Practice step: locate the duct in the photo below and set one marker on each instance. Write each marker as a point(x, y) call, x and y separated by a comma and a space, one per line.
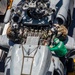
point(62, 14)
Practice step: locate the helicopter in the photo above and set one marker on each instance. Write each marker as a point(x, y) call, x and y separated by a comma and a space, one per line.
point(31, 23)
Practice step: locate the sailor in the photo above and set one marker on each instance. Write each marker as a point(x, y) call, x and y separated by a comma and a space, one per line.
point(59, 48)
point(63, 42)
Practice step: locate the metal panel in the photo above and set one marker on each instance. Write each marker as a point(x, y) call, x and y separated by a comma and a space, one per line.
point(3, 7)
